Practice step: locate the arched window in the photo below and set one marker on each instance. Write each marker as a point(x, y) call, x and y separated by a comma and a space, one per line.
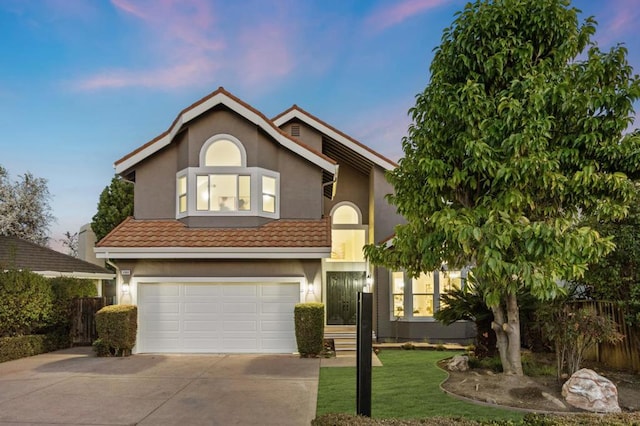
point(224, 185)
point(223, 151)
point(346, 214)
point(348, 235)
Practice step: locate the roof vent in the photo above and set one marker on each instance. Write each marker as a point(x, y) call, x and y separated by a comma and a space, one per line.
point(295, 130)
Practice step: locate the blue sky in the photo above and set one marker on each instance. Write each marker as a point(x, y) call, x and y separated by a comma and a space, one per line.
point(84, 82)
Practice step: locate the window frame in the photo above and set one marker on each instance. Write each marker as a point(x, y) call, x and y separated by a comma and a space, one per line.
point(408, 295)
point(255, 176)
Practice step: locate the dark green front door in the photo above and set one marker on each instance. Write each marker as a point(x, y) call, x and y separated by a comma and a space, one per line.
point(342, 296)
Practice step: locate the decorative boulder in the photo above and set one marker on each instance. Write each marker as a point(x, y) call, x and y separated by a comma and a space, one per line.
point(458, 363)
point(589, 391)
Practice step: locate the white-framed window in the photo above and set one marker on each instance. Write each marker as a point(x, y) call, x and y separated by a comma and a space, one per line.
point(419, 298)
point(182, 194)
point(348, 235)
point(224, 186)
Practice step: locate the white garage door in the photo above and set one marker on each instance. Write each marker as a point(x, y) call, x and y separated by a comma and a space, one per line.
point(217, 317)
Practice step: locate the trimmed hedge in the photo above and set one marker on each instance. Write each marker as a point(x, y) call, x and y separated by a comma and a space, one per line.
point(25, 302)
point(309, 322)
point(23, 346)
point(117, 326)
point(64, 290)
point(621, 419)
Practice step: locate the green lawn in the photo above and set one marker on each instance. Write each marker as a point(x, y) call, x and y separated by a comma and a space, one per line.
point(407, 386)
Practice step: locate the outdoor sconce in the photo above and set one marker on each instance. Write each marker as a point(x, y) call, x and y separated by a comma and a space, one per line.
point(126, 276)
point(369, 283)
point(310, 288)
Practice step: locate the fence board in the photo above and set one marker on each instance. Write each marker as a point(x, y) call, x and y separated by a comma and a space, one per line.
point(83, 328)
point(624, 355)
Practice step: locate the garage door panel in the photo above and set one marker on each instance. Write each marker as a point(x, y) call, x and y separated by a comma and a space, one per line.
point(217, 317)
point(240, 290)
point(162, 291)
point(207, 291)
point(207, 327)
point(240, 308)
point(278, 290)
point(202, 307)
point(240, 326)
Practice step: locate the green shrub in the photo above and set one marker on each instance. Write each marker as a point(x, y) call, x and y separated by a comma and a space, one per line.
point(64, 290)
point(529, 420)
point(25, 302)
point(621, 419)
point(23, 346)
point(309, 323)
point(116, 326)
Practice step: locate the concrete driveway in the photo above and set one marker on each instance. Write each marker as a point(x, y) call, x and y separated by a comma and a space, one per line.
point(74, 387)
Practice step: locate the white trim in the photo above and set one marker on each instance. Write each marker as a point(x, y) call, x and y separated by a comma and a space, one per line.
point(217, 99)
point(143, 279)
point(220, 137)
point(349, 204)
point(80, 275)
point(212, 252)
point(294, 113)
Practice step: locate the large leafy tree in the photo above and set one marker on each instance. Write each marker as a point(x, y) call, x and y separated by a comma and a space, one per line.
point(518, 135)
point(115, 205)
point(24, 207)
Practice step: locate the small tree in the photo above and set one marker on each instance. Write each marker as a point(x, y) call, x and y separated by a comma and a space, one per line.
point(114, 206)
point(24, 208)
point(70, 241)
point(518, 135)
point(575, 331)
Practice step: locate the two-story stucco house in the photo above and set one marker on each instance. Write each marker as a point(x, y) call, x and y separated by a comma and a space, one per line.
point(238, 217)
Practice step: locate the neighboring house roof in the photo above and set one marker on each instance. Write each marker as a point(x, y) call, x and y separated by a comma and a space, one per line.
point(222, 97)
point(172, 239)
point(295, 112)
point(21, 254)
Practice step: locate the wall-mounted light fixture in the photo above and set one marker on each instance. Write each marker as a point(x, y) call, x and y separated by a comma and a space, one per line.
point(126, 276)
point(368, 284)
point(310, 288)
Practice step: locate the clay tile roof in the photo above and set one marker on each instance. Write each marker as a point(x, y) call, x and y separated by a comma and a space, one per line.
point(173, 233)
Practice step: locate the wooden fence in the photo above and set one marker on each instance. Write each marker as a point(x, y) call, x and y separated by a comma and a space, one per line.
point(624, 355)
point(83, 325)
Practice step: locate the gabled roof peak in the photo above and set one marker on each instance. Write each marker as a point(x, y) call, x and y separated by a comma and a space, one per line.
point(296, 112)
point(222, 97)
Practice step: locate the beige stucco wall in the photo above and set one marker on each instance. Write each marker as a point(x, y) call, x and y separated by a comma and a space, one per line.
point(352, 186)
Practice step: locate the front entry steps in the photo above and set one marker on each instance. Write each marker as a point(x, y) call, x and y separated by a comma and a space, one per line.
point(344, 337)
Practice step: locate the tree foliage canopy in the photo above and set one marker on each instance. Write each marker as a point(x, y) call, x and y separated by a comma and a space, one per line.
point(115, 205)
point(518, 134)
point(24, 207)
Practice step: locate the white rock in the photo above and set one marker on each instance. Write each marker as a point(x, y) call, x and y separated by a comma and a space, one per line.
point(458, 363)
point(589, 391)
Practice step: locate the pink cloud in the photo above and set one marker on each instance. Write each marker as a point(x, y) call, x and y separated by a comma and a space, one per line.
point(205, 44)
point(265, 53)
point(198, 70)
point(397, 12)
point(617, 22)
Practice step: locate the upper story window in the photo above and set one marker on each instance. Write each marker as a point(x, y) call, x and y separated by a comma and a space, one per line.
point(223, 185)
point(348, 235)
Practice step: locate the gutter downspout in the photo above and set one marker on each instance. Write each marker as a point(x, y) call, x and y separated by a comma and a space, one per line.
point(333, 190)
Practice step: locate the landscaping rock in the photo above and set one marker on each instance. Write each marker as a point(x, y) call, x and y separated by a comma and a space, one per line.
point(589, 391)
point(458, 363)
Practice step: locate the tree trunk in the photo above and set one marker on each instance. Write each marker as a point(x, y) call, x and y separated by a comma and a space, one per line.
point(513, 314)
point(502, 342)
point(508, 335)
